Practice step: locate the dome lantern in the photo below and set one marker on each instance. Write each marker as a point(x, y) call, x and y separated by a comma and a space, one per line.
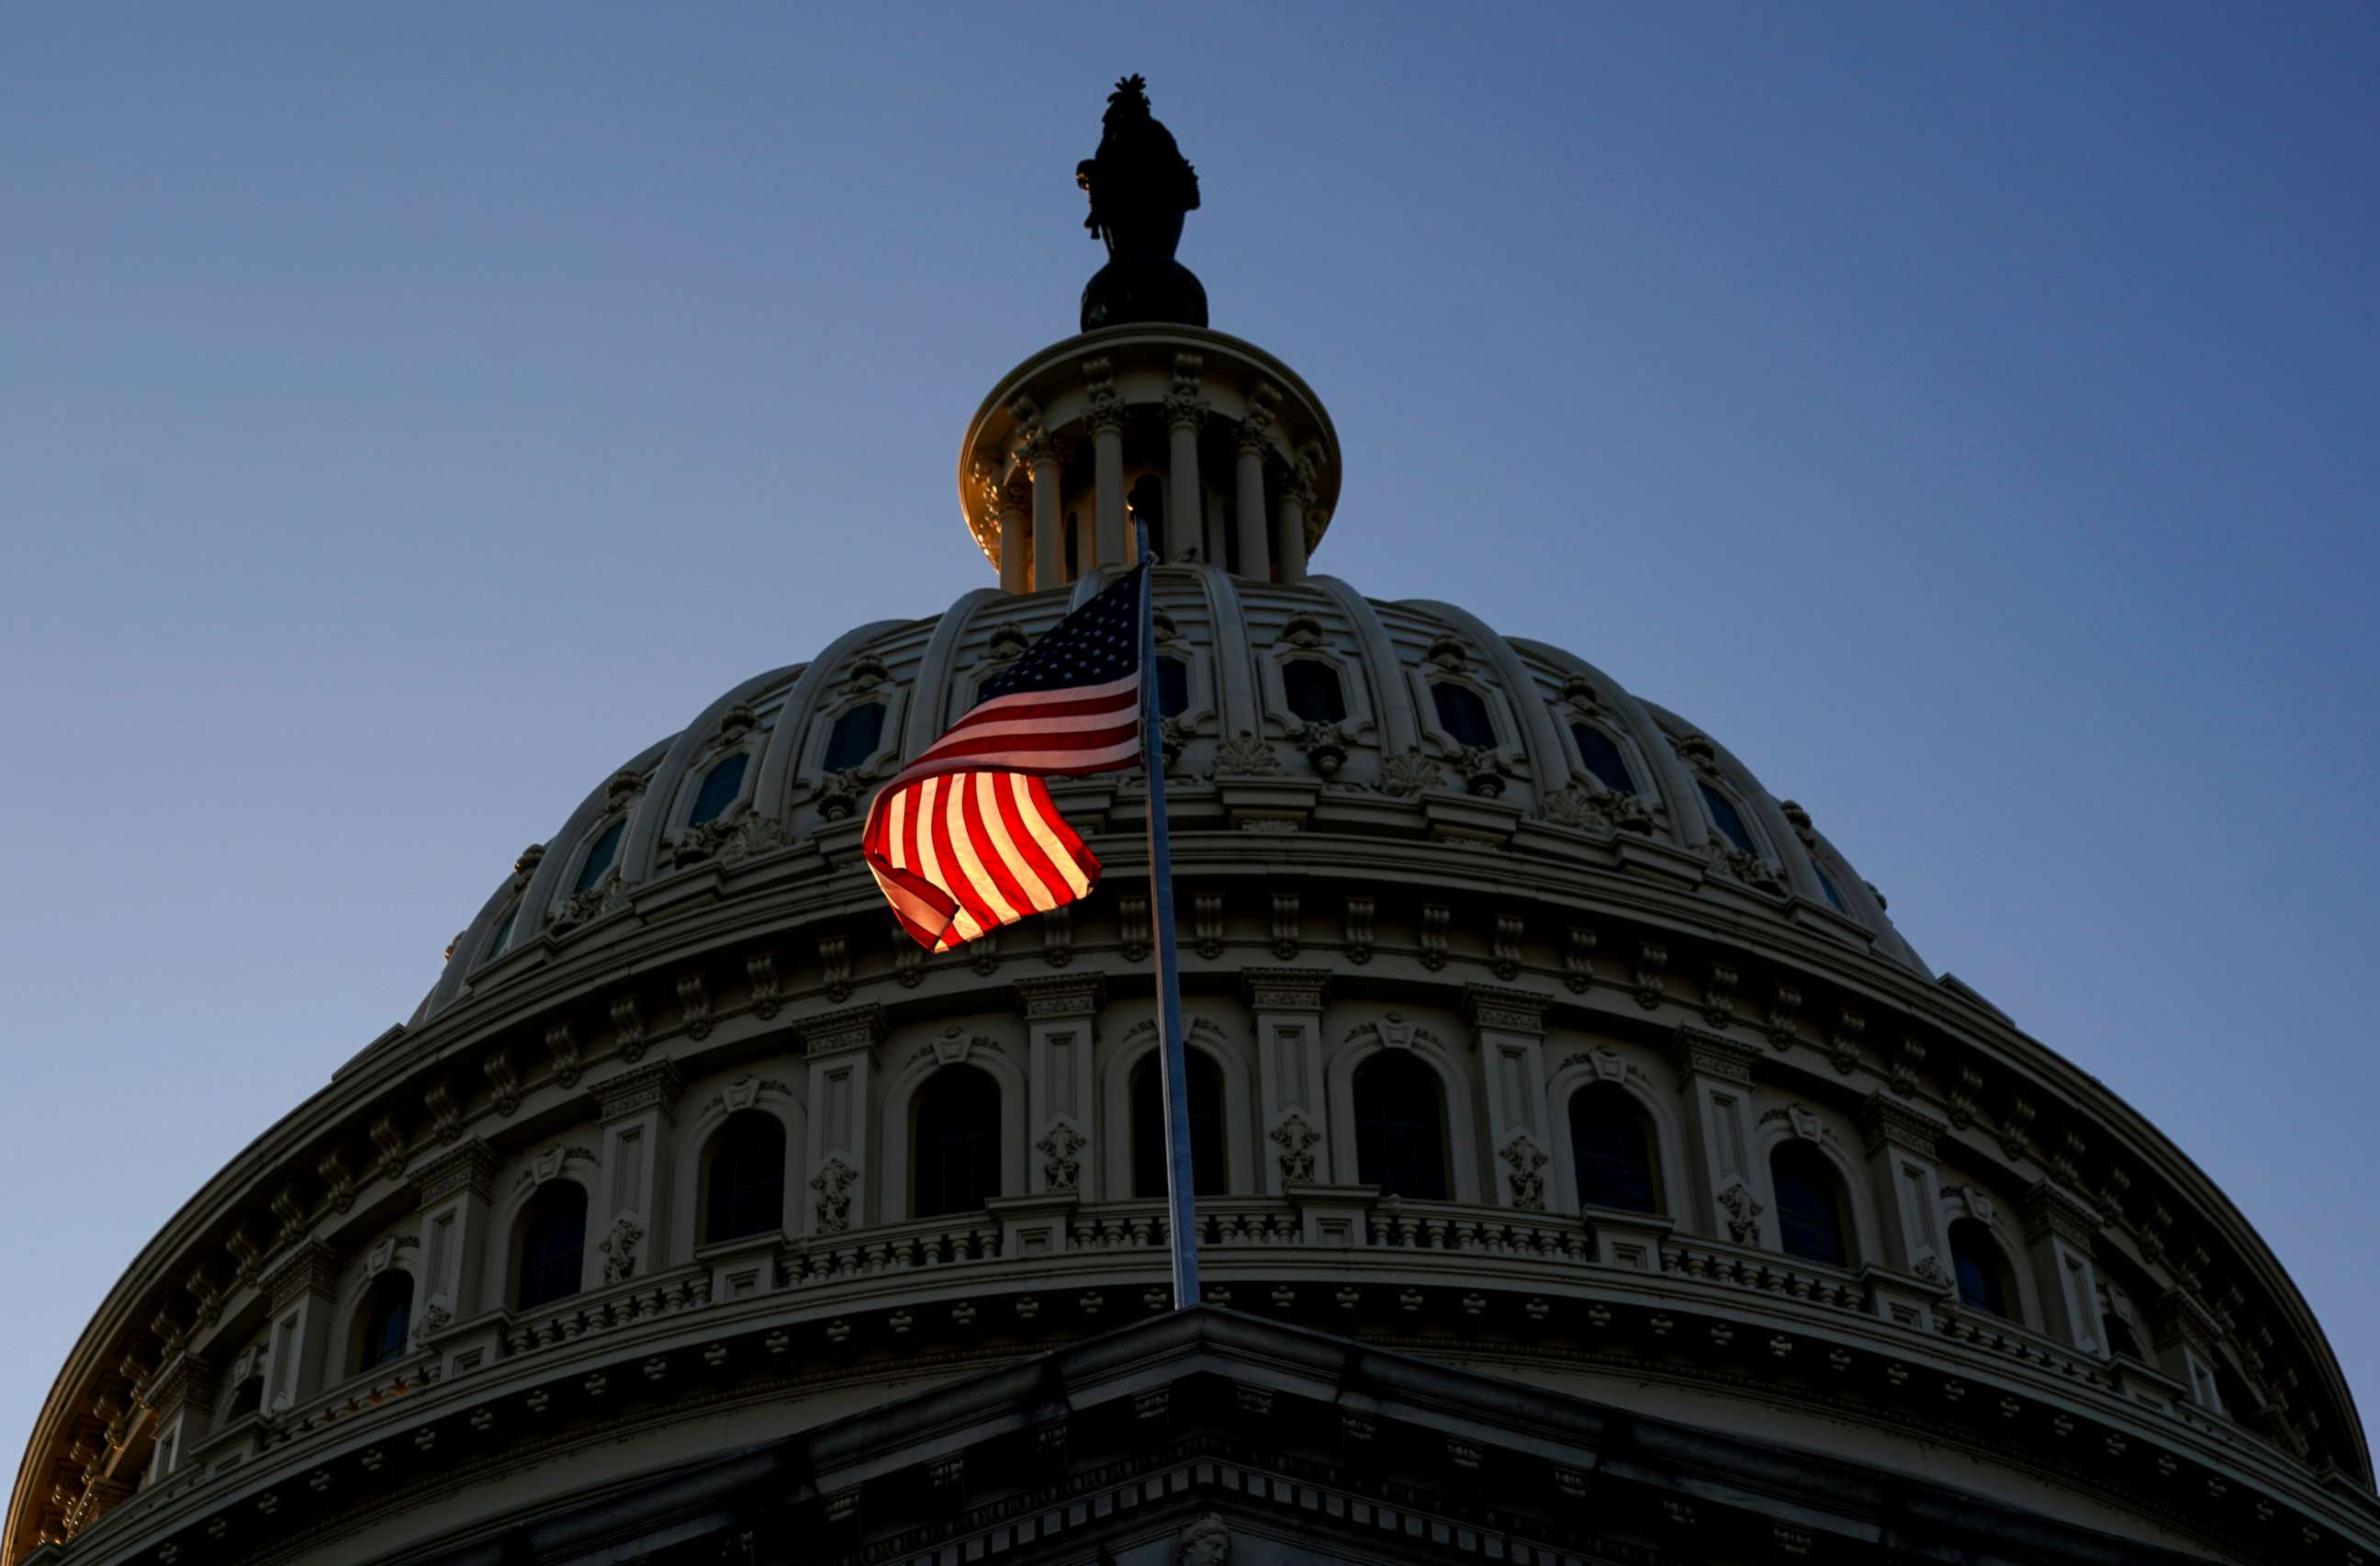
point(1231, 453)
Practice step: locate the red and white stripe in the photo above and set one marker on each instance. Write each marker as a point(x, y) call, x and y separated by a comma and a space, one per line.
point(967, 839)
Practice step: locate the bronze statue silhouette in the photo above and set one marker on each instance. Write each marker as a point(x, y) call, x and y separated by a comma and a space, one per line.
point(1140, 186)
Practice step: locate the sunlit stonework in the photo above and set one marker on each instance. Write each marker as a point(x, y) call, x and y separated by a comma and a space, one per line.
point(1590, 1171)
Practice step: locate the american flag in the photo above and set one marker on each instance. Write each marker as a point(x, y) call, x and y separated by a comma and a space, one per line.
point(966, 838)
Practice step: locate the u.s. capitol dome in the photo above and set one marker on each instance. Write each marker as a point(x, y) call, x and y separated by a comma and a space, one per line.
point(1588, 1169)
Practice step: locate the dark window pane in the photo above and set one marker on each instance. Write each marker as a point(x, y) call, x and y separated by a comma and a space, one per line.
point(1399, 1129)
point(747, 1178)
point(855, 737)
point(1314, 692)
point(503, 933)
point(1207, 1172)
point(1975, 1259)
point(553, 1243)
point(1809, 1215)
point(1464, 714)
point(1173, 688)
point(2120, 1339)
point(386, 1320)
point(1826, 885)
point(1602, 758)
point(599, 856)
point(1610, 1150)
point(1726, 818)
point(720, 788)
point(957, 1142)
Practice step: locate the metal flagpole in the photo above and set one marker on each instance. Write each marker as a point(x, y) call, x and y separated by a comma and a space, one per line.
point(1181, 1189)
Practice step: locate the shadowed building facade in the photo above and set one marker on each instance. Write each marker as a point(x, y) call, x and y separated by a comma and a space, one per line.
point(1588, 1170)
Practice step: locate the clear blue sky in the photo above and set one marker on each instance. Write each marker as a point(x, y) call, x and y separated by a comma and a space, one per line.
point(1968, 415)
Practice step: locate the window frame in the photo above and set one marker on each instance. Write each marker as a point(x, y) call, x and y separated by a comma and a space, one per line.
point(1424, 1071)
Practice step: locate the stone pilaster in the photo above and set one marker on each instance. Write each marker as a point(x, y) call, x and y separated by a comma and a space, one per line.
point(182, 1396)
point(1902, 1146)
point(2186, 1335)
point(1732, 1195)
point(1061, 1120)
point(1508, 1036)
point(454, 1189)
point(299, 1290)
point(2059, 1229)
point(624, 1223)
point(841, 1051)
point(1287, 1004)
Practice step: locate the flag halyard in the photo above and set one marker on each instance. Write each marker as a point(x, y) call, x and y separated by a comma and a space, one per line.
point(966, 838)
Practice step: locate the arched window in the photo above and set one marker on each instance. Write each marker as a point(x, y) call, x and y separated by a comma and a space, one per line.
point(599, 854)
point(1209, 1175)
point(720, 785)
point(1399, 1127)
point(1726, 818)
point(1314, 692)
point(1463, 713)
point(503, 933)
point(746, 1182)
point(1610, 1150)
point(1600, 755)
point(855, 737)
point(955, 1147)
point(552, 1246)
point(387, 1316)
point(1173, 688)
point(2120, 1337)
point(1826, 885)
point(1809, 1204)
point(1976, 1257)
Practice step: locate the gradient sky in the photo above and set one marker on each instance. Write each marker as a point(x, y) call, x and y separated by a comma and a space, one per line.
point(407, 414)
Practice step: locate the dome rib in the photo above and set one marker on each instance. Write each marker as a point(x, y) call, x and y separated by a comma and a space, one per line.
point(1386, 670)
point(929, 694)
point(772, 789)
point(1242, 712)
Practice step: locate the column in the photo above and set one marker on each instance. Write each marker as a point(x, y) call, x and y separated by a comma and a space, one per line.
point(301, 1289)
point(455, 1218)
point(1508, 1039)
point(1294, 1117)
point(841, 1051)
point(1106, 422)
point(1061, 1124)
point(1731, 1198)
point(1185, 412)
point(2059, 1229)
point(640, 1110)
point(1015, 536)
point(1048, 538)
point(1254, 563)
point(1087, 543)
point(1211, 545)
point(1289, 529)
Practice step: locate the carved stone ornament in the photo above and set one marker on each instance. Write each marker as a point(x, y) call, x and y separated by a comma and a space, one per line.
point(703, 841)
point(1410, 774)
point(839, 794)
point(619, 1249)
point(1297, 1137)
point(1749, 868)
point(1528, 1163)
point(754, 835)
point(1483, 771)
point(1206, 1542)
point(1325, 746)
point(1585, 809)
point(1246, 755)
point(1061, 1169)
point(608, 894)
point(831, 1206)
point(1744, 1212)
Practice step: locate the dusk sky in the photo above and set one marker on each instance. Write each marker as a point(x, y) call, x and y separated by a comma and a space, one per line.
point(1967, 414)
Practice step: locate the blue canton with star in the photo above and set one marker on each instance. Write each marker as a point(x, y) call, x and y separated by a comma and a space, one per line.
point(1097, 643)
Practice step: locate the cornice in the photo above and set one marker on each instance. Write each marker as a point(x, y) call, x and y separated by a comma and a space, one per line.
point(841, 1032)
point(470, 1166)
point(1046, 996)
point(1887, 1122)
point(310, 1268)
point(1696, 1052)
point(653, 1085)
point(1505, 1008)
point(1284, 989)
point(2050, 1208)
